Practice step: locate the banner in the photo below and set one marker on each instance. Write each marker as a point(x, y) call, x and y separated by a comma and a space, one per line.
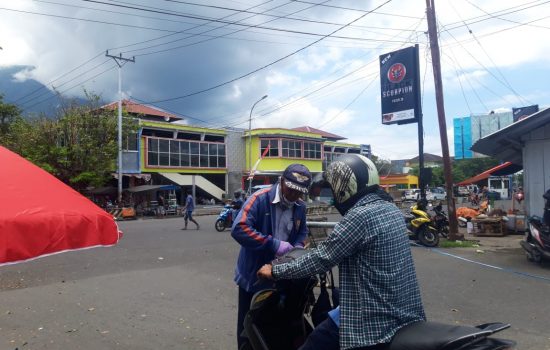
point(523, 112)
point(400, 86)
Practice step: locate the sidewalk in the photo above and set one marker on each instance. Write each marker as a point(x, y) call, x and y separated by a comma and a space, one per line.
point(509, 241)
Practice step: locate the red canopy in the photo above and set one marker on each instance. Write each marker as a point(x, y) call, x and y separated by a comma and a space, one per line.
point(40, 215)
point(501, 169)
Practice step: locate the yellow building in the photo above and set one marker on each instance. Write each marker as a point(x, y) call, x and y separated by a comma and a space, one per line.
point(399, 181)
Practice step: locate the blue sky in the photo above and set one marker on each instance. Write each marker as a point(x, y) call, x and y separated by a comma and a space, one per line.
point(316, 60)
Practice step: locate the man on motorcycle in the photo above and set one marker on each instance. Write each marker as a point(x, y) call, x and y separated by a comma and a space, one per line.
point(236, 204)
point(271, 222)
point(379, 292)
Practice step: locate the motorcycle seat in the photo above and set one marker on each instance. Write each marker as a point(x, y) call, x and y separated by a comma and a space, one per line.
point(438, 336)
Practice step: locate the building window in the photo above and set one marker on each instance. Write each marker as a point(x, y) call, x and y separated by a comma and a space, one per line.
point(130, 142)
point(273, 148)
point(292, 149)
point(185, 154)
point(312, 150)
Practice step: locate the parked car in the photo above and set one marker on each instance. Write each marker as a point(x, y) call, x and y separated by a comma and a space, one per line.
point(411, 195)
point(437, 194)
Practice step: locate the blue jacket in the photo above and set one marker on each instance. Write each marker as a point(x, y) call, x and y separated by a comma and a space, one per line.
point(253, 229)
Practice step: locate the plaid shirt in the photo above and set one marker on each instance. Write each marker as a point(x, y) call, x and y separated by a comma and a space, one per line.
point(379, 292)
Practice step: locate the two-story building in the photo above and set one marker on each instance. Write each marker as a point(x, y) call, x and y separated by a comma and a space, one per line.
point(216, 162)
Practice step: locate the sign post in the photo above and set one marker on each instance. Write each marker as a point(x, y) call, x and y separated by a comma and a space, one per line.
point(400, 96)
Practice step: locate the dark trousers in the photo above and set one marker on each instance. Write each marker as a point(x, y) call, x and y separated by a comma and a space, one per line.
point(325, 337)
point(244, 305)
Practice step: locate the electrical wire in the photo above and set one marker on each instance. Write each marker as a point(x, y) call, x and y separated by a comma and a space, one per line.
point(269, 64)
point(485, 68)
point(490, 59)
point(500, 18)
point(72, 87)
point(264, 114)
point(56, 79)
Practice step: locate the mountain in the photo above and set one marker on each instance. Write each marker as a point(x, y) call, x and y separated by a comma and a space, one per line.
point(30, 95)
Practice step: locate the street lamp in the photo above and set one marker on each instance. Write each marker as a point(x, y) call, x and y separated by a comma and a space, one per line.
point(250, 143)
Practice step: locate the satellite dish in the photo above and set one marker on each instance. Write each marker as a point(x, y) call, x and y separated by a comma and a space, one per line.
point(166, 118)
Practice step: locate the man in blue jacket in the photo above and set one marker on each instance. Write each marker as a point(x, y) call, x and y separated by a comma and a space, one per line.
point(271, 222)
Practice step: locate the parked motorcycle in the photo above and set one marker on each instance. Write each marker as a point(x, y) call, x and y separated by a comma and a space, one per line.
point(277, 321)
point(420, 227)
point(537, 241)
point(441, 221)
point(537, 238)
point(225, 219)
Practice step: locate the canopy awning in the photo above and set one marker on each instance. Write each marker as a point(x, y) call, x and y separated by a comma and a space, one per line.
point(40, 215)
point(500, 170)
point(145, 188)
point(146, 177)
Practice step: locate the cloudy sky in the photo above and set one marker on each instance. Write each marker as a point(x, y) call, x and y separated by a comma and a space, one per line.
point(317, 61)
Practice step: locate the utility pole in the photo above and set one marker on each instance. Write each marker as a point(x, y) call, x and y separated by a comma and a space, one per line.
point(251, 175)
point(120, 61)
point(436, 63)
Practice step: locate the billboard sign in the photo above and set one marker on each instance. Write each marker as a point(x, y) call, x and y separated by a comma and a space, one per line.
point(523, 112)
point(400, 86)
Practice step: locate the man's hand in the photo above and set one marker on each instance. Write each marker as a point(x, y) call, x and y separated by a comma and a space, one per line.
point(265, 272)
point(284, 247)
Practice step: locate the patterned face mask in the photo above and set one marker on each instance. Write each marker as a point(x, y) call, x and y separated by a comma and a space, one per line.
point(284, 201)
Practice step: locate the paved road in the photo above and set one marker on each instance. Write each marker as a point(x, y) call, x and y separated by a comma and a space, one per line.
point(163, 288)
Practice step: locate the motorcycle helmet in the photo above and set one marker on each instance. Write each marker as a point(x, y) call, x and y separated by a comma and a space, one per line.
point(350, 177)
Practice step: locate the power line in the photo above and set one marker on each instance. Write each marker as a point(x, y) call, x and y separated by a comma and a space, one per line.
point(499, 13)
point(359, 10)
point(87, 20)
point(269, 64)
point(455, 64)
point(486, 69)
point(489, 57)
point(242, 29)
point(56, 79)
point(72, 87)
point(500, 18)
point(60, 85)
point(326, 85)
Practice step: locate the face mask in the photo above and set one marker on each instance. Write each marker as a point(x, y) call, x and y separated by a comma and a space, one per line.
point(284, 201)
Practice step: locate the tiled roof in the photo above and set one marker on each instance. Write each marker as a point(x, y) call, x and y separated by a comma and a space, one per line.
point(325, 134)
point(137, 108)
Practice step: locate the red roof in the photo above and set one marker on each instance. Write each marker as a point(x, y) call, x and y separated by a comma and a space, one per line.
point(137, 108)
point(484, 175)
point(325, 134)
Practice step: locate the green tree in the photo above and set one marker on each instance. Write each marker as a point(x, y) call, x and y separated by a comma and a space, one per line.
point(8, 114)
point(79, 145)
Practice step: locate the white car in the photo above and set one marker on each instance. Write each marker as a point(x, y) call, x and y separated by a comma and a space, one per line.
point(436, 194)
point(411, 195)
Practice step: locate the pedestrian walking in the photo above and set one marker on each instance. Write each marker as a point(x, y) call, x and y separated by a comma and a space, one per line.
point(188, 210)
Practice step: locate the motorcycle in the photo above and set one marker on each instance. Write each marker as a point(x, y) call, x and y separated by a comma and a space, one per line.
point(537, 241)
point(537, 238)
point(440, 221)
point(420, 227)
point(225, 218)
point(277, 321)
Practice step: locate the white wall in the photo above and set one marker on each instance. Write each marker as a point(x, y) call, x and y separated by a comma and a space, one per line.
point(536, 165)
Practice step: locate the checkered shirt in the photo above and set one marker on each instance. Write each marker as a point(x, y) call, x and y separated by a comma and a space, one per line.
point(379, 292)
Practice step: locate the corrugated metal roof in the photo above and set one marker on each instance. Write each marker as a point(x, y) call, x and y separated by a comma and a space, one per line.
point(137, 108)
point(325, 134)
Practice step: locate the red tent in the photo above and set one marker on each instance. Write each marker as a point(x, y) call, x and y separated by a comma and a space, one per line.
point(40, 215)
point(506, 168)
